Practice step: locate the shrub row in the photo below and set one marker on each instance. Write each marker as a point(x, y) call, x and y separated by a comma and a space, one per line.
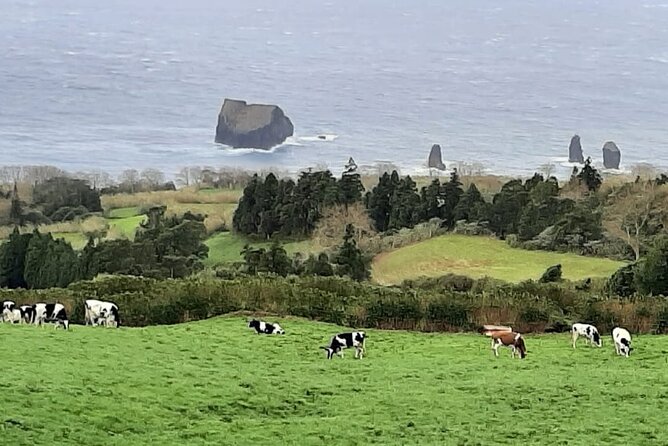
point(430, 306)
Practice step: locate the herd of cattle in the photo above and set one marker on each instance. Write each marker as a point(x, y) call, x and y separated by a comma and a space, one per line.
point(501, 337)
point(506, 337)
point(97, 312)
point(103, 313)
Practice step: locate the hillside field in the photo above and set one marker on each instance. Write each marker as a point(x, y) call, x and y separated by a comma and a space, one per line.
point(217, 382)
point(226, 247)
point(481, 256)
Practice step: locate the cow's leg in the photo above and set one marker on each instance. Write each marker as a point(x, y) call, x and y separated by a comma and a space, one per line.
point(575, 337)
point(495, 347)
point(512, 351)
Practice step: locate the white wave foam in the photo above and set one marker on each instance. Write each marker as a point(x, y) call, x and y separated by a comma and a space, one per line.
point(323, 137)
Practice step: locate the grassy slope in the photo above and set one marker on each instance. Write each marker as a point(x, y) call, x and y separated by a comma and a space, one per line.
point(215, 382)
point(226, 246)
point(481, 256)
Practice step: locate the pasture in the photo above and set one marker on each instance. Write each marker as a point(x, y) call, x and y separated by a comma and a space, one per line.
point(481, 256)
point(225, 247)
point(217, 382)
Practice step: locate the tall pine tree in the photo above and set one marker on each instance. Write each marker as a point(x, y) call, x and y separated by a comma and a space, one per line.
point(350, 260)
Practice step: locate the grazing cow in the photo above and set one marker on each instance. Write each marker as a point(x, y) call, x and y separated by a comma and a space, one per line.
point(265, 327)
point(622, 339)
point(98, 312)
point(11, 315)
point(51, 313)
point(509, 339)
point(587, 331)
point(7, 306)
point(27, 313)
point(342, 341)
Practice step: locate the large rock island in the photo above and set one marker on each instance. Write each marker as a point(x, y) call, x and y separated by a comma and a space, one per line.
point(252, 126)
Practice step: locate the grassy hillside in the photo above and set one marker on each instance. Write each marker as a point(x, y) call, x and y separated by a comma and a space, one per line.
point(225, 247)
point(478, 257)
point(216, 382)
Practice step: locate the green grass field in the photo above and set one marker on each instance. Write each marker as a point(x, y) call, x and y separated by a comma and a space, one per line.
point(225, 247)
point(479, 257)
point(216, 382)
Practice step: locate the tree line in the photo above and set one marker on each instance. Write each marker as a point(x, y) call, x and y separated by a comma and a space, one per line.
point(163, 247)
point(271, 207)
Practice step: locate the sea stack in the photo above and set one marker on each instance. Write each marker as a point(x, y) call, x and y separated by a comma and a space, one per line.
point(252, 126)
point(435, 160)
point(611, 155)
point(575, 151)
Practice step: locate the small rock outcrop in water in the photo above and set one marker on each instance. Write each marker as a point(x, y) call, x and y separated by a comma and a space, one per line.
point(575, 151)
point(611, 155)
point(252, 126)
point(435, 160)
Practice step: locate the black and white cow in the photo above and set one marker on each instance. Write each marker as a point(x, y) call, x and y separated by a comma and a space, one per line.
point(342, 341)
point(99, 312)
point(27, 313)
point(10, 313)
point(587, 331)
point(51, 313)
point(7, 310)
point(622, 339)
point(265, 327)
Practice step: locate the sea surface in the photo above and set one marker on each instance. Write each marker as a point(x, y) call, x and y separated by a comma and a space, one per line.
point(125, 84)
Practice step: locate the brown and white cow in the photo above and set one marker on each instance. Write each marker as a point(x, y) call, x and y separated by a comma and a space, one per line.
point(514, 341)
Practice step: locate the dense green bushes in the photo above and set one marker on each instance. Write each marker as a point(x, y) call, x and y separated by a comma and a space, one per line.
point(526, 307)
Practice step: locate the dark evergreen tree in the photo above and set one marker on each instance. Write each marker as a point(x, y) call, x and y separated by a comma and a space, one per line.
point(59, 192)
point(452, 190)
point(276, 260)
point(590, 177)
point(12, 260)
point(244, 219)
point(350, 260)
point(470, 205)
point(50, 263)
point(404, 205)
point(432, 199)
point(267, 206)
point(507, 207)
point(651, 275)
point(378, 200)
point(16, 208)
point(350, 188)
point(253, 259)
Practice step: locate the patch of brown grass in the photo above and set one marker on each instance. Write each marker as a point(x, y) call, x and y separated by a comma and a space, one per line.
point(170, 198)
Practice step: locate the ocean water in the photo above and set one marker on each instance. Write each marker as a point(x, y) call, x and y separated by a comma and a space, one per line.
point(135, 84)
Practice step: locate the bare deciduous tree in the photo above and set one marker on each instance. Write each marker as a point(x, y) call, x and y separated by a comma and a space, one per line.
point(330, 229)
point(635, 211)
point(130, 177)
point(152, 177)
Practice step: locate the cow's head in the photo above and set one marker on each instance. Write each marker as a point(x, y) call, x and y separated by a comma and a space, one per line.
point(596, 338)
point(253, 323)
point(626, 346)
